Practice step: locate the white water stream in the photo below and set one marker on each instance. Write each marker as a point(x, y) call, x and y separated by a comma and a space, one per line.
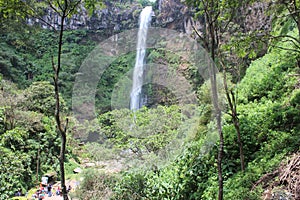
point(136, 100)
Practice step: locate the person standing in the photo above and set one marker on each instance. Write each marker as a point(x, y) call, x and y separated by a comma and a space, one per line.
point(58, 191)
point(69, 188)
point(49, 187)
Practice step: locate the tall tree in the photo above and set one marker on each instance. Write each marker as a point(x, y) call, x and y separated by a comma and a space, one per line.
point(217, 17)
point(232, 102)
point(210, 11)
point(65, 9)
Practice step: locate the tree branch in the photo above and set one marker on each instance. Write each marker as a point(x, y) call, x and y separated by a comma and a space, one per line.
point(284, 48)
point(74, 7)
point(53, 8)
point(283, 36)
point(200, 36)
point(60, 6)
point(36, 15)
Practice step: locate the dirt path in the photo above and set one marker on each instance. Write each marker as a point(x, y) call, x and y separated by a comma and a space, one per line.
point(54, 198)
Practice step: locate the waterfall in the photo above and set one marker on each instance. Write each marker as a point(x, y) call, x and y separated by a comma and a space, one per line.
point(136, 101)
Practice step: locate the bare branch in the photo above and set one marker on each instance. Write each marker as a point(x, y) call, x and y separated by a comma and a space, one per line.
point(35, 15)
point(297, 46)
point(284, 48)
point(73, 8)
point(216, 17)
point(41, 19)
point(60, 6)
point(284, 36)
point(295, 5)
point(200, 36)
point(293, 40)
point(53, 8)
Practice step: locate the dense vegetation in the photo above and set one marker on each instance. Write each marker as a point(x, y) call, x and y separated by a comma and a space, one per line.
point(267, 100)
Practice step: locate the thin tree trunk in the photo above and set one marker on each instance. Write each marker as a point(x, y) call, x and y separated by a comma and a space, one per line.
point(232, 105)
point(217, 109)
point(298, 26)
point(219, 127)
point(236, 123)
point(237, 128)
point(62, 130)
point(62, 167)
point(38, 163)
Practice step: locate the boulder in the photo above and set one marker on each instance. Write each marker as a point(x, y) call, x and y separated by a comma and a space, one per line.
point(77, 170)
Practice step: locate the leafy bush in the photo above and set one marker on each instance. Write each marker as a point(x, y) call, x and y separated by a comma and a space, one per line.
point(268, 77)
point(95, 185)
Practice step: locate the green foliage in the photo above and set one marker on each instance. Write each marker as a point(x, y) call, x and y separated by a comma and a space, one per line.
point(239, 186)
point(268, 77)
point(19, 198)
point(31, 61)
point(295, 98)
point(268, 111)
point(14, 168)
point(177, 63)
point(12, 64)
point(130, 186)
point(185, 178)
point(95, 185)
point(101, 152)
point(70, 166)
point(146, 2)
point(269, 122)
point(39, 97)
point(24, 135)
point(110, 78)
point(15, 9)
point(147, 130)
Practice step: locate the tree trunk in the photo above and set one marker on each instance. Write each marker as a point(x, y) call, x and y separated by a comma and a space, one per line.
point(38, 163)
point(219, 127)
point(62, 130)
point(215, 97)
point(232, 105)
point(237, 128)
point(62, 167)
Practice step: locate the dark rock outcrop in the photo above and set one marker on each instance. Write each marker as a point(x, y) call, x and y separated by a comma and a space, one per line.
point(111, 19)
point(117, 17)
point(172, 14)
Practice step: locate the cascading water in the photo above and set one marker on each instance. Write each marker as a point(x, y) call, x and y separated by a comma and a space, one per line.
point(136, 101)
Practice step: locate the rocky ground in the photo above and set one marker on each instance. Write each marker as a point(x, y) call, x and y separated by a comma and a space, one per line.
point(284, 182)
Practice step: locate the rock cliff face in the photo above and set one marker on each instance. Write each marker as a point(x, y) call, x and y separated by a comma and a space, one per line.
point(174, 15)
point(118, 16)
point(113, 18)
point(256, 17)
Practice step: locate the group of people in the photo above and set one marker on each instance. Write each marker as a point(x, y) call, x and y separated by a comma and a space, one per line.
point(43, 191)
point(48, 190)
